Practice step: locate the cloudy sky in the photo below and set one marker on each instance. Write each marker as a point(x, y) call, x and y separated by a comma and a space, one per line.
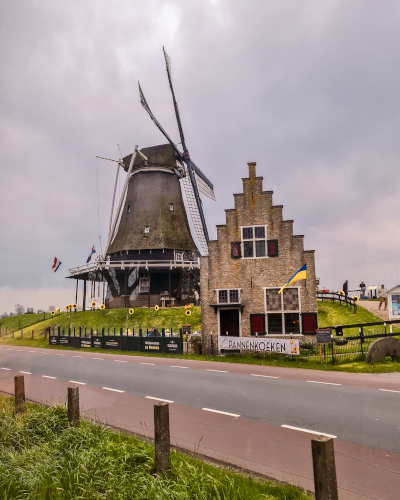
point(307, 89)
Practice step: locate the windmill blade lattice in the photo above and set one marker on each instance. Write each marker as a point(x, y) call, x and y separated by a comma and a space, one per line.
point(194, 213)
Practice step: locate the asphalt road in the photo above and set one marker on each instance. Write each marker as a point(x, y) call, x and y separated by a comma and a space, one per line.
point(366, 415)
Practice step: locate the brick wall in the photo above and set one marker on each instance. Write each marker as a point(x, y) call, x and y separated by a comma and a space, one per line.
point(218, 270)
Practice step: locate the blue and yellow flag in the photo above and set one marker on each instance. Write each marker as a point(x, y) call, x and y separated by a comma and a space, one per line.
point(300, 275)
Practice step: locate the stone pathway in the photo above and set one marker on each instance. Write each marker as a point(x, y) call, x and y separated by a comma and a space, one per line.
point(373, 307)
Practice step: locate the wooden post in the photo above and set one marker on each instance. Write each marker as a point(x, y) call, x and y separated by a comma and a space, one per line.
point(22, 333)
point(84, 295)
point(73, 406)
point(76, 293)
point(32, 333)
point(19, 394)
point(162, 437)
point(323, 456)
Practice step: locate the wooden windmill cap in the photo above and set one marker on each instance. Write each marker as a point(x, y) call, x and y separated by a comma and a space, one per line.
point(156, 155)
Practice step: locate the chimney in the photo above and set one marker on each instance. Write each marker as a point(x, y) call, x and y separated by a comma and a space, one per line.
point(252, 169)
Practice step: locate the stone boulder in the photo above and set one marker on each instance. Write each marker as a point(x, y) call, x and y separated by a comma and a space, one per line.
point(381, 348)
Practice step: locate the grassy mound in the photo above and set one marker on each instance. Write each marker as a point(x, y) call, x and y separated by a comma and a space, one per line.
point(22, 321)
point(41, 457)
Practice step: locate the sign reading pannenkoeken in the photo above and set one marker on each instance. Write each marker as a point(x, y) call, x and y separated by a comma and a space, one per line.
point(281, 346)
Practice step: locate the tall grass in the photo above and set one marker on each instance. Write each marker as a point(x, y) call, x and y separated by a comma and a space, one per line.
point(41, 457)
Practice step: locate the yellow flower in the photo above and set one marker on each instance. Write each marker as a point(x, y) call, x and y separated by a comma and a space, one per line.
point(102, 307)
point(58, 310)
point(341, 292)
point(131, 311)
point(74, 306)
point(93, 304)
point(355, 298)
point(52, 313)
point(156, 308)
point(188, 312)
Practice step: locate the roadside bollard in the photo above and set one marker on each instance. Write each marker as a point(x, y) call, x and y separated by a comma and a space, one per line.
point(32, 333)
point(162, 437)
point(323, 456)
point(73, 406)
point(19, 398)
point(22, 333)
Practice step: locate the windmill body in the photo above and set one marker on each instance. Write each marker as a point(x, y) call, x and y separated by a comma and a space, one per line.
point(150, 253)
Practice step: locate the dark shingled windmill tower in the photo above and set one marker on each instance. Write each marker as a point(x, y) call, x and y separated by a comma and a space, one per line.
point(150, 251)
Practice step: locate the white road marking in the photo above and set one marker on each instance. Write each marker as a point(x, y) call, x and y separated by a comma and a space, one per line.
point(20, 350)
point(222, 412)
point(5, 368)
point(266, 376)
point(121, 360)
point(9, 349)
point(159, 399)
point(28, 373)
point(221, 371)
point(109, 389)
point(101, 359)
point(326, 383)
point(48, 376)
point(307, 430)
point(147, 364)
point(173, 366)
point(77, 356)
point(75, 382)
point(60, 354)
point(44, 353)
point(388, 390)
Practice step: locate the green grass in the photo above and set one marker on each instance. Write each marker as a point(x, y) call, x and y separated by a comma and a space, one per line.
point(21, 321)
point(42, 458)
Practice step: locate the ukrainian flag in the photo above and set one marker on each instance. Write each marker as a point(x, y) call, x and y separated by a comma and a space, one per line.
point(300, 275)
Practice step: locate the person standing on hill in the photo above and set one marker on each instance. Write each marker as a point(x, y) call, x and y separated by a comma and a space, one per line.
point(346, 287)
point(382, 296)
point(362, 288)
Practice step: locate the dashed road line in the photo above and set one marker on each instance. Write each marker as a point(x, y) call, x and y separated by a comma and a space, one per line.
point(78, 356)
point(48, 376)
point(20, 350)
point(388, 390)
point(121, 360)
point(60, 354)
point(159, 399)
point(147, 364)
point(308, 430)
point(109, 389)
point(221, 371)
point(100, 359)
point(5, 368)
point(317, 382)
point(27, 373)
point(173, 366)
point(9, 349)
point(266, 376)
point(75, 382)
point(221, 412)
point(44, 353)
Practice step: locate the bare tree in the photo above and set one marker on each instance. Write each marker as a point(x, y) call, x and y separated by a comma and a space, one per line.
point(20, 309)
point(52, 308)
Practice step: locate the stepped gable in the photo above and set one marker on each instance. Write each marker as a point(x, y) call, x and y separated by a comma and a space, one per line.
point(221, 269)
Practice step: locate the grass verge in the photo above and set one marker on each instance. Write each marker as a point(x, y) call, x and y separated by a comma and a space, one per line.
point(41, 457)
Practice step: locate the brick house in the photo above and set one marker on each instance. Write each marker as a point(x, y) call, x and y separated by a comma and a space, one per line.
point(254, 255)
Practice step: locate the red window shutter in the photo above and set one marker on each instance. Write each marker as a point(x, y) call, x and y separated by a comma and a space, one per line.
point(309, 322)
point(272, 248)
point(257, 323)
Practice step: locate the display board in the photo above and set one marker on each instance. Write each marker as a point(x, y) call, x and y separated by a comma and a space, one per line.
point(324, 336)
point(172, 345)
point(152, 344)
point(281, 346)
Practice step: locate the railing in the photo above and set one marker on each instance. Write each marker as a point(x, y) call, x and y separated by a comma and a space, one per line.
point(131, 264)
point(336, 297)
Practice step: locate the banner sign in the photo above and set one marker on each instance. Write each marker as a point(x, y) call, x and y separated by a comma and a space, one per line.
point(53, 339)
point(63, 340)
point(173, 345)
point(86, 342)
point(324, 336)
point(97, 341)
point(112, 342)
point(281, 346)
point(152, 344)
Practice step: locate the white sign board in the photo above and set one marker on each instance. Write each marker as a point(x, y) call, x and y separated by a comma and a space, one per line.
point(281, 346)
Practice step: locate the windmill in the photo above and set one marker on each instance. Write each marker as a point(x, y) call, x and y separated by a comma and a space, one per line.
point(194, 180)
point(150, 252)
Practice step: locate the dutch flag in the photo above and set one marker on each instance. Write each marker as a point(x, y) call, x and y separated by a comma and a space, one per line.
point(57, 264)
point(90, 255)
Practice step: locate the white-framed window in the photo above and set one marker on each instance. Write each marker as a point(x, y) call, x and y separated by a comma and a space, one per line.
point(171, 207)
point(179, 256)
point(228, 295)
point(282, 310)
point(254, 241)
point(146, 229)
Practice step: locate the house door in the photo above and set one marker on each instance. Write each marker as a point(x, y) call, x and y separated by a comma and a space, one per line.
point(229, 322)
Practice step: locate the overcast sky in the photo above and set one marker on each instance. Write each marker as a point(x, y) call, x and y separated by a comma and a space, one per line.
point(307, 89)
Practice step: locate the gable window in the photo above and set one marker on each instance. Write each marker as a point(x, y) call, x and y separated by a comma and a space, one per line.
point(171, 207)
point(129, 209)
point(228, 296)
point(282, 311)
point(146, 229)
point(179, 256)
point(254, 242)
